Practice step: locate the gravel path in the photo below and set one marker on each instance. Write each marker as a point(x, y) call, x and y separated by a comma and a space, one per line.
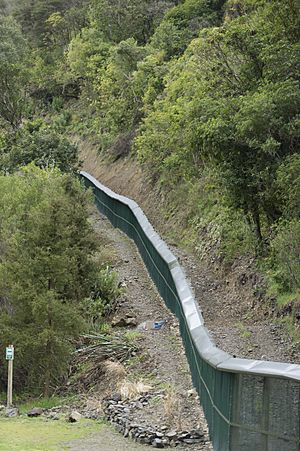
point(165, 359)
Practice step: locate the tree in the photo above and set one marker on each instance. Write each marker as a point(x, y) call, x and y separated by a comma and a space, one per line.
point(232, 101)
point(183, 22)
point(40, 29)
point(121, 19)
point(46, 270)
point(40, 144)
point(13, 75)
point(117, 104)
point(88, 54)
point(287, 186)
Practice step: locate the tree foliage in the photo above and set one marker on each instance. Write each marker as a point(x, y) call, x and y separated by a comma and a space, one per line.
point(13, 72)
point(229, 106)
point(47, 269)
point(48, 22)
point(183, 22)
point(121, 19)
point(39, 144)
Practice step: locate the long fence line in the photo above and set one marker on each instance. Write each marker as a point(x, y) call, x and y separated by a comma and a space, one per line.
point(250, 405)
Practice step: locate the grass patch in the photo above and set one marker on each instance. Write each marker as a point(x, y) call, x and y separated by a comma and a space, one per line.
point(44, 403)
point(133, 336)
point(292, 331)
point(105, 328)
point(286, 298)
point(245, 333)
point(36, 434)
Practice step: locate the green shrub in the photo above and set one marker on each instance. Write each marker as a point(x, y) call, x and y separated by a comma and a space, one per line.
point(57, 104)
point(288, 186)
point(285, 255)
point(47, 269)
point(39, 144)
point(103, 295)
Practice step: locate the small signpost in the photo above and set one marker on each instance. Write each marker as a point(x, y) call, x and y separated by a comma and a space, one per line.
point(10, 359)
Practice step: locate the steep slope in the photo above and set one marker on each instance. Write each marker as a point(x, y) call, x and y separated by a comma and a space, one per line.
point(233, 306)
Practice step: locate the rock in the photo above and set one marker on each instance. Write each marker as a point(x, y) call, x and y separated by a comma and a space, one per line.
point(197, 434)
point(74, 417)
point(35, 412)
point(12, 412)
point(116, 397)
point(119, 322)
point(54, 416)
point(131, 322)
point(158, 443)
point(133, 426)
point(184, 435)
point(192, 393)
point(145, 441)
point(124, 322)
point(191, 441)
point(159, 434)
point(57, 408)
point(172, 435)
point(118, 428)
point(122, 415)
point(92, 415)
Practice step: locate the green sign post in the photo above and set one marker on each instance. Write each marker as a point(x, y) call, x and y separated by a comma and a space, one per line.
point(10, 353)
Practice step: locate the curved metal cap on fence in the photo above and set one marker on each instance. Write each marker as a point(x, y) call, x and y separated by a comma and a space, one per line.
point(248, 403)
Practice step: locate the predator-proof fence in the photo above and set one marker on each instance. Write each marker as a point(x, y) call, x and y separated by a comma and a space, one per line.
point(249, 404)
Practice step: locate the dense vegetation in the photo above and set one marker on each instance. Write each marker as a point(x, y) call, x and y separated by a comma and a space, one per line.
point(54, 284)
point(52, 288)
point(204, 92)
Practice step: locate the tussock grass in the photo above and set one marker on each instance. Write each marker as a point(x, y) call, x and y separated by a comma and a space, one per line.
point(114, 371)
point(131, 390)
point(172, 408)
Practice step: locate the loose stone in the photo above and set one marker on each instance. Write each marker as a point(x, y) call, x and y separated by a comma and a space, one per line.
point(35, 412)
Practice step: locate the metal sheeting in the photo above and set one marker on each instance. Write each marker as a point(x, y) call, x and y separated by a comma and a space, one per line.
point(249, 404)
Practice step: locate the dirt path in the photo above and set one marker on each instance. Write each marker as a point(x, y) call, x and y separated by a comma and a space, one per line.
point(105, 440)
point(162, 361)
point(233, 308)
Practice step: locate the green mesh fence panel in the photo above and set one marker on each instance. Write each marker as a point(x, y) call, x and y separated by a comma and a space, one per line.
point(249, 405)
